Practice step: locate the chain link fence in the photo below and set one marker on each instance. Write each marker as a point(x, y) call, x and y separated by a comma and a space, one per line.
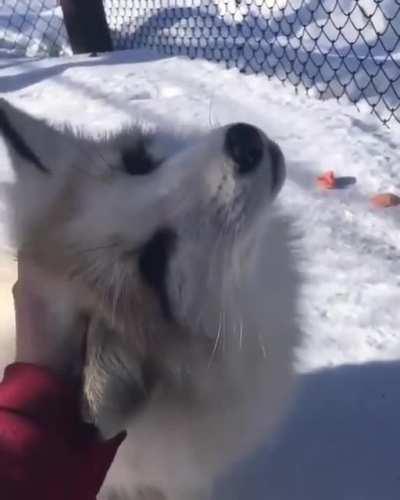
point(32, 28)
point(343, 49)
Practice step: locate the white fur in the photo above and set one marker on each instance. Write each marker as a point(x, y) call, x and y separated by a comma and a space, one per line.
point(231, 282)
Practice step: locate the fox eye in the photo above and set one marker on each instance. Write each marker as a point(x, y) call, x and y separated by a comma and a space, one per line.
point(137, 160)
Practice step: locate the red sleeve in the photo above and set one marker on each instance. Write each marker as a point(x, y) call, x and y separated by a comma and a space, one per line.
point(46, 451)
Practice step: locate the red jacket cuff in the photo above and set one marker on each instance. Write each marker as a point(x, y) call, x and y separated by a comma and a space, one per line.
point(46, 451)
point(41, 395)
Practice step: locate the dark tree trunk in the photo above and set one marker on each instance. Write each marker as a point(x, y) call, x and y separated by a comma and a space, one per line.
point(86, 26)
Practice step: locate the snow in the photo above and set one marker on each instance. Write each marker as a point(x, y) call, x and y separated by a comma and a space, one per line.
point(341, 440)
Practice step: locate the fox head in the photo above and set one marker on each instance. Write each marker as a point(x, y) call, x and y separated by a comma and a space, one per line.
point(164, 237)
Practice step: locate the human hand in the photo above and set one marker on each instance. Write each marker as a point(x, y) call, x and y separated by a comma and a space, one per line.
point(48, 334)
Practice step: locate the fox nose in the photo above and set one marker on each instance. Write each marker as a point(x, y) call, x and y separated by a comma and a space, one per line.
point(243, 143)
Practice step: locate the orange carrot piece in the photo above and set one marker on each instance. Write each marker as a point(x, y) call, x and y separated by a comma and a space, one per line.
point(327, 180)
point(385, 200)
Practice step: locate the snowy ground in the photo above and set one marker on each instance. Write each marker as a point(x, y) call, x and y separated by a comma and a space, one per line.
point(342, 440)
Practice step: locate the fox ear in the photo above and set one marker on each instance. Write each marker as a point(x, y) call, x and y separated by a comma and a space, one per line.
point(37, 152)
point(31, 142)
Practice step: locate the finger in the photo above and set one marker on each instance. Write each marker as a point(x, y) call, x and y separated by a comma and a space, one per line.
point(28, 274)
point(15, 290)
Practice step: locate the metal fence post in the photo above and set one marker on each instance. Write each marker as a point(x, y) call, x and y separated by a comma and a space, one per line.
point(86, 26)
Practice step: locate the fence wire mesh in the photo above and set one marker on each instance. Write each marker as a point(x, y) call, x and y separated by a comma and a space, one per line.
point(333, 48)
point(32, 27)
point(343, 49)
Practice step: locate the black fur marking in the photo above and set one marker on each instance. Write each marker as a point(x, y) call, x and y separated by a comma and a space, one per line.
point(18, 143)
point(153, 265)
point(137, 160)
point(276, 161)
point(150, 375)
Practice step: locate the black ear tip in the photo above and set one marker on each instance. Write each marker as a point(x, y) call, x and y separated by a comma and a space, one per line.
point(14, 139)
point(6, 106)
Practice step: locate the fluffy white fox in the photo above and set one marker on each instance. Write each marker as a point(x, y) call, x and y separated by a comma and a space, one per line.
point(174, 246)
